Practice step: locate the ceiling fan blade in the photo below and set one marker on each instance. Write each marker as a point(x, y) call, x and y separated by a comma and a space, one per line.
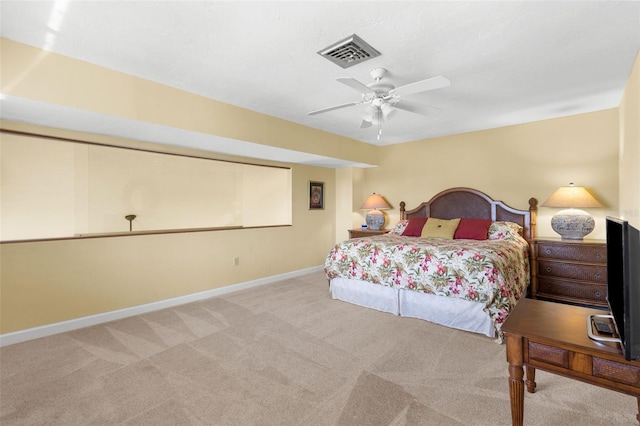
point(421, 86)
point(320, 111)
point(417, 108)
point(355, 84)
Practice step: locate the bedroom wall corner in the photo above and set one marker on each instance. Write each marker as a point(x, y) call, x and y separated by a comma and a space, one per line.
point(344, 194)
point(629, 148)
point(349, 198)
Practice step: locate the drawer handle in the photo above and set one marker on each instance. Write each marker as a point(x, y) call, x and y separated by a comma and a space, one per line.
point(598, 255)
point(598, 275)
point(547, 251)
point(598, 293)
point(548, 270)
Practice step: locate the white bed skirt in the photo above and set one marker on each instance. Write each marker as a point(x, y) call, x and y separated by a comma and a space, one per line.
point(456, 313)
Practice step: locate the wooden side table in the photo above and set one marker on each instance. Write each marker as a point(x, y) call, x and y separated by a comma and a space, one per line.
point(359, 233)
point(553, 337)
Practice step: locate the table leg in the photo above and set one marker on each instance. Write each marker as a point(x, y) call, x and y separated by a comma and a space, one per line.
point(516, 382)
point(516, 394)
point(531, 379)
point(638, 415)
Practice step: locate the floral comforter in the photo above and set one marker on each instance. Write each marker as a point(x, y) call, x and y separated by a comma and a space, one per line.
point(494, 272)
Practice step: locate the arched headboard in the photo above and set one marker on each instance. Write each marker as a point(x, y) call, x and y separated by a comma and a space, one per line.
point(466, 202)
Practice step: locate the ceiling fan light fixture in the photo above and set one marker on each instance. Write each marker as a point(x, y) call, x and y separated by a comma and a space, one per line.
point(370, 110)
point(377, 102)
point(376, 117)
point(387, 111)
point(366, 123)
point(383, 99)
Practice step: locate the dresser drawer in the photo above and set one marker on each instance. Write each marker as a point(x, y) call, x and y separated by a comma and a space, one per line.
point(570, 271)
point(572, 291)
point(575, 252)
point(575, 271)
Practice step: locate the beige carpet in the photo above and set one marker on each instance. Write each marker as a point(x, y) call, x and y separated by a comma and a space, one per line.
point(281, 354)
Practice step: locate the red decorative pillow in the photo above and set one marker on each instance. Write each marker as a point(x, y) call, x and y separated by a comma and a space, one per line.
point(414, 227)
point(473, 229)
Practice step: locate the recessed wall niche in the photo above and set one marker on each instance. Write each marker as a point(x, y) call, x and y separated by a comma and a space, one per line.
point(52, 188)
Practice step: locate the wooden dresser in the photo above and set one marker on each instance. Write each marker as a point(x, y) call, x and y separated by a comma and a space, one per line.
point(357, 233)
point(573, 271)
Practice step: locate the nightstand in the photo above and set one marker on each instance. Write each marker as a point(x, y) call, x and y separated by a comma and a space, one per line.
point(358, 233)
point(572, 271)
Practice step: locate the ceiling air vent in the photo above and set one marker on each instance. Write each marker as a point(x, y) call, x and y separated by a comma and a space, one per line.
point(348, 52)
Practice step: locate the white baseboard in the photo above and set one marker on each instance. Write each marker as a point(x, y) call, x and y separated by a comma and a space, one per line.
point(74, 324)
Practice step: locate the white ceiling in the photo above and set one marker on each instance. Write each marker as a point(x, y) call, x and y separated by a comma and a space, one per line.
point(509, 62)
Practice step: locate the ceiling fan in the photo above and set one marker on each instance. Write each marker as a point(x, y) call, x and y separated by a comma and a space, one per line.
point(383, 99)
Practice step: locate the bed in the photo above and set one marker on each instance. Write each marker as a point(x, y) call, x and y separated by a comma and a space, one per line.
point(469, 282)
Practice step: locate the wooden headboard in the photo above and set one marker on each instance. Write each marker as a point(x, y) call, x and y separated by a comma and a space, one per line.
point(466, 202)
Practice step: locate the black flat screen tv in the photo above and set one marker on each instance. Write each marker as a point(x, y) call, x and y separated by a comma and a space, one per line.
point(623, 283)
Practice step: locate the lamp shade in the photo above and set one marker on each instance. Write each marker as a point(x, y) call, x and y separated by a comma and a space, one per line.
point(375, 202)
point(374, 217)
point(571, 197)
point(572, 224)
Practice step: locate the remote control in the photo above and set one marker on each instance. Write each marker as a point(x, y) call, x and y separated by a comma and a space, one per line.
point(603, 325)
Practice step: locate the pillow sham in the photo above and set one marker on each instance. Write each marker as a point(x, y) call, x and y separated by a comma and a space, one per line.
point(440, 228)
point(399, 228)
point(504, 230)
point(414, 227)
point(473, 229)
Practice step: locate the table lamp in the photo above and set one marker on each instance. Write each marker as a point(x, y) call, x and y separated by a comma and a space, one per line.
point(572, 224)
point(374, 217)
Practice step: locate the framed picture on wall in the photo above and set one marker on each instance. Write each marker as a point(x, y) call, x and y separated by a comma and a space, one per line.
point(316, 195)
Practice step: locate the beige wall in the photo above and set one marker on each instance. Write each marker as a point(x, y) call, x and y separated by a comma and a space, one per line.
point(512, 164)
point(630, 148)
point(48, 282)
point(24, 198)
point(349, 198)
point(88, 189)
